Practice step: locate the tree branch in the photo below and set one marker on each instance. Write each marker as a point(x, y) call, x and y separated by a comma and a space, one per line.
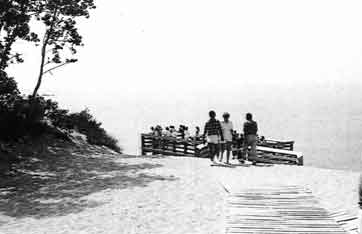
point(14, 55)
point(56, 67)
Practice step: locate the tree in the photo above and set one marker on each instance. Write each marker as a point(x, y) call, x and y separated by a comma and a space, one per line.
point(15, 16)
point(61, 33)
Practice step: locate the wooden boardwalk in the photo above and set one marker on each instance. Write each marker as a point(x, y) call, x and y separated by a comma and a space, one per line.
point(278, 210)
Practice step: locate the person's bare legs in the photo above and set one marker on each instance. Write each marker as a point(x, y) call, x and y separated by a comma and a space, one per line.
point(211, 151)
point(222, 150)
point(228, 149)
point(217, 151)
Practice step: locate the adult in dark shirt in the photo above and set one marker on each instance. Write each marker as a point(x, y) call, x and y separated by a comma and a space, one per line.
point(250, 136)
point(213, 134)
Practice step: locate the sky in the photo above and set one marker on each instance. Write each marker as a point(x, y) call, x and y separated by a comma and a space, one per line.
point(150, 45)
point(191, 51)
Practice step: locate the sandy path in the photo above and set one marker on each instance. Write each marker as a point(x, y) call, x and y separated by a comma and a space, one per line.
point(142, 195)
point(172, 196)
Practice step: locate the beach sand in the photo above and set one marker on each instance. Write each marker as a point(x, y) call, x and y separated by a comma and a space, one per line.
point(139, 195)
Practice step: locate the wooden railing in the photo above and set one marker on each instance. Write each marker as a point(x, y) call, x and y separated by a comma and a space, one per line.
point(275, 156)
point(172, 146)
point(268, 151)
point(286, 145)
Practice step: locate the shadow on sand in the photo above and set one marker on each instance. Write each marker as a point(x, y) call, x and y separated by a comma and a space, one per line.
point(56, 185)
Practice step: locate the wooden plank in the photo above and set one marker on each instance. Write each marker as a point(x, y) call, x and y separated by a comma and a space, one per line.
point(265, 160)
point(280, 151)
point(167, 152)
point(284, 209)
point(278, 144)
point(275, 156)
point(279, 157)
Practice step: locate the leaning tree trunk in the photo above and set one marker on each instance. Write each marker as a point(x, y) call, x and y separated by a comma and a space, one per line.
point(42, 62)
point(33, 113)
point(46, 39)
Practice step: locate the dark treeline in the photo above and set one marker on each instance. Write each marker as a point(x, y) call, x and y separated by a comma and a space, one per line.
point(25, 116)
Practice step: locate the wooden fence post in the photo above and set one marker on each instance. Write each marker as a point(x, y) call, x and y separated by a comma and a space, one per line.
point(143, 144)
point(185, 148)
point(196, 149)
point(154, 145)
point(174, 146)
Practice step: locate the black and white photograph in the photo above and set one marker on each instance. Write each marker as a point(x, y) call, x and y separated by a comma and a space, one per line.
point(180, 117)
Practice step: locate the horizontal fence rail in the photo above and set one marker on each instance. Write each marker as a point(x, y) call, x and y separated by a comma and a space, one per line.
point(287, 145)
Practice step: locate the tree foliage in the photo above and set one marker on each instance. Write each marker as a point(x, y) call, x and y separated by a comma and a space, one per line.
point(15, 16)
point(34, 115)
point(61, 33)
point(59, 40)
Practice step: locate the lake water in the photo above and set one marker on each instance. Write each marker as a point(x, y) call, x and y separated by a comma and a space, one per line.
point(324, 120)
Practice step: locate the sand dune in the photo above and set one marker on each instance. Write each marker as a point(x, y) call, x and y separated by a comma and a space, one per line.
point(138, 195)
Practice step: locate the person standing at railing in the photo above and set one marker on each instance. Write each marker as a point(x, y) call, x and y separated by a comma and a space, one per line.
point(187, 133)
point(158, 130)
point(197, 131)
point(181, 131)
point(166, 132)
point(227, 131)
point(173, 131)
point(213, 132)
point(250, 135)
point(153, 131)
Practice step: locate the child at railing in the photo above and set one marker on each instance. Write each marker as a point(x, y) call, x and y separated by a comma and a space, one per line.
point(197, 132)
point(181, 131)
point(166, 132)
point(187, 133)
point(152, 130)
point(173, 131)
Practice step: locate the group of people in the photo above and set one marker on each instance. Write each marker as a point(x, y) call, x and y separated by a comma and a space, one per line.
point(170, 131)
point(220, 135)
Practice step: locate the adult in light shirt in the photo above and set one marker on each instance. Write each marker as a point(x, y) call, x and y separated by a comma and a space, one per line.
point(227, 130)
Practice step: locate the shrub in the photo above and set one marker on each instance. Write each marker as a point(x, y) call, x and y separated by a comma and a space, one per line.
point(11, 118)
point(20, 117)
point(86, 124)
point(25, 116)
point(8, 85)
point(83, 122)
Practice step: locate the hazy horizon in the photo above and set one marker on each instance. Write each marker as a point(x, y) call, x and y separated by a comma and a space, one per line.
point(296, 65)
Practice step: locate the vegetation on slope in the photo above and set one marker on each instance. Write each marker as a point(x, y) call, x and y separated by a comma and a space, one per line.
point(25, 118)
